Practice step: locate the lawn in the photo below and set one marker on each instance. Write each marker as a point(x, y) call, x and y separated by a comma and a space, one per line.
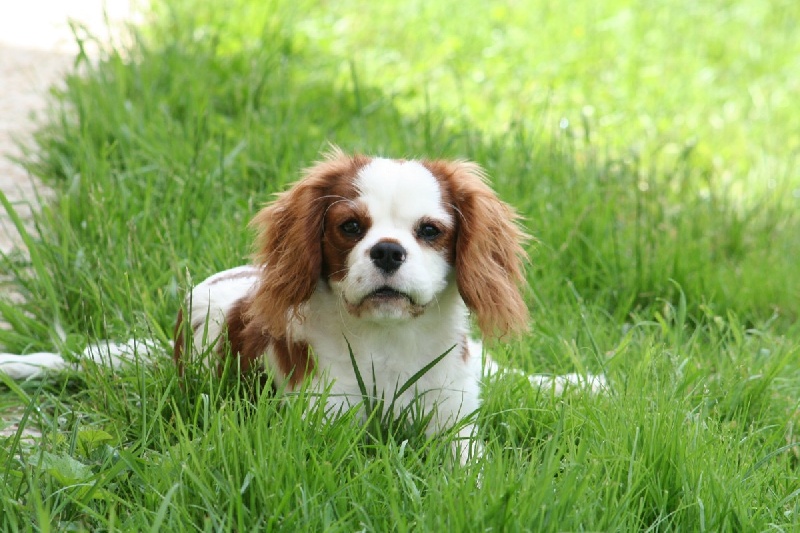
point(652, 148)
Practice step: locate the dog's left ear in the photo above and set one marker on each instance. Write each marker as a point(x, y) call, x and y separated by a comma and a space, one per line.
point(289, 247)
point(489, 249)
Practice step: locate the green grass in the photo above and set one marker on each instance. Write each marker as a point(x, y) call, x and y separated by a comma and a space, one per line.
point(652, 149)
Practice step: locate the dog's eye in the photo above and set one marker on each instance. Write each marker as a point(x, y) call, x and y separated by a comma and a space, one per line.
point(351, 228)
point(428, 232)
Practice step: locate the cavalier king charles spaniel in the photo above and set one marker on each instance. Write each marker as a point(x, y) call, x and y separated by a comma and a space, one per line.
point(367, 261)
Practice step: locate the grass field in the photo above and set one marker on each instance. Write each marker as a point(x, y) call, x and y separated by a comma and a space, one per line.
point(653, 150)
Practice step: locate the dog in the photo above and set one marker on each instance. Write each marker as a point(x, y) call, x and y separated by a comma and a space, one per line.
point(367, 270)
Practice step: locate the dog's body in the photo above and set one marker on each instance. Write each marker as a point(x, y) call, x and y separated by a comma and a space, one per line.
point(386, 356)
point(384, 259)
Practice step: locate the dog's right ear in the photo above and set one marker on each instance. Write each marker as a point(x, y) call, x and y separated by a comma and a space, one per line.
point(289, 242)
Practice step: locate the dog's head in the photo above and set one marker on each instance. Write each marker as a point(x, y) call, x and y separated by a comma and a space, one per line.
point(388, 237)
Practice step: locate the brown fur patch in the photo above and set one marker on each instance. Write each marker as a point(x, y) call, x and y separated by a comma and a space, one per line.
point(489, 251)
point(294, 360)
point(445, 242)
point(247, 346)
point(465, 350)
point(336, 244)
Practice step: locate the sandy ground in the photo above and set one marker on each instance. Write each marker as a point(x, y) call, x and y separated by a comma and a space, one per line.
point(37, 48)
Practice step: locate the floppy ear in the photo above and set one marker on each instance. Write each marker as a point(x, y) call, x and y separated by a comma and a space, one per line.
point(289, 243)
point(489, 249)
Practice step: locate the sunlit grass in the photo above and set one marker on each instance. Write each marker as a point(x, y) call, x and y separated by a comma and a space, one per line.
point(656, 78)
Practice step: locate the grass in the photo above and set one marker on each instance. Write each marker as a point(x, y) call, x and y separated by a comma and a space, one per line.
point(652, 150)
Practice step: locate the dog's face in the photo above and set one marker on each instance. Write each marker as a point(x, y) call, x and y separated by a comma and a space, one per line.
point(387, 237)
point(388, 246)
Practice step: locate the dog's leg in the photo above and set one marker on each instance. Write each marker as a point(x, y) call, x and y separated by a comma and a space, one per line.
point(32, 365)
point(557, 384)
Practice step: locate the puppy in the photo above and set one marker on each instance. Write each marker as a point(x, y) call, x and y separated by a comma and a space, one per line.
point(379, 258)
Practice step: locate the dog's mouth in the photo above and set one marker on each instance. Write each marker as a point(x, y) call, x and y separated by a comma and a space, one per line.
point(386, 293)
point(386, 302)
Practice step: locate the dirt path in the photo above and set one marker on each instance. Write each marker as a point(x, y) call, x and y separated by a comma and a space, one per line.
point(36, 49)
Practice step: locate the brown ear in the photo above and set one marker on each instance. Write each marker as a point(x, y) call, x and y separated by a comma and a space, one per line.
point(489, 249)
point(289, 243)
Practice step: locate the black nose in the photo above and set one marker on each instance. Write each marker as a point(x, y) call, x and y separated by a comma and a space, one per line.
point(387, 256)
